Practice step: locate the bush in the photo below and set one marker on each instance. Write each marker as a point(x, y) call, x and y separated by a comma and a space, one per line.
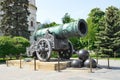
point(13, 46)
point(20, 45)
point(6, 45)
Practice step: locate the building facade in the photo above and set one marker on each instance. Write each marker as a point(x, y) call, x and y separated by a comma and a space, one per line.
point(0, 17)
point(31, 18)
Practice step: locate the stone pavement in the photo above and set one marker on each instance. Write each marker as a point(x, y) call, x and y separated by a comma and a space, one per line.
point(15, 73)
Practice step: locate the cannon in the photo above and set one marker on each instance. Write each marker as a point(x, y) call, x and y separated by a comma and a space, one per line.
point(56, 39)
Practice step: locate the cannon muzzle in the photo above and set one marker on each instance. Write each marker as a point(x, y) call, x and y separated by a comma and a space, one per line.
point(82, 28)
point(74, 29)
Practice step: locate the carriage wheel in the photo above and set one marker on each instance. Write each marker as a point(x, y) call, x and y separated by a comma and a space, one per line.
point(43, 50)
point(66, 54)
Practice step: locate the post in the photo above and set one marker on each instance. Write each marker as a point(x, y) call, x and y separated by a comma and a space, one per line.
point(20, 61)
point(35, 63)
point(114, 55)
point(97, 57)
point(7, 60)
point(58, 62)
point(108, 62)
point(90, 64)
point(90, 59)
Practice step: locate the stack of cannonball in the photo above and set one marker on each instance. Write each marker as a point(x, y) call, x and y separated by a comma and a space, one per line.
point(83, 60)
point(77, 63)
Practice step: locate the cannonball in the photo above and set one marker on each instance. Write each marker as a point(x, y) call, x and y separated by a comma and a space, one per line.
point(93, 62)
point(77, 63)
point(83, 54)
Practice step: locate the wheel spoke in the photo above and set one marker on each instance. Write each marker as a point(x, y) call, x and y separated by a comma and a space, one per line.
point(44, 50)
point(66, 54)
point(43, 55)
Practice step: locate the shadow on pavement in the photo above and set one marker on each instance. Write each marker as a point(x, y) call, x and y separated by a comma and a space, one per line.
point(111, 67)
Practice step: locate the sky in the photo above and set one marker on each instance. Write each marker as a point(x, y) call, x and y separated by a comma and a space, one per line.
point(54, 10)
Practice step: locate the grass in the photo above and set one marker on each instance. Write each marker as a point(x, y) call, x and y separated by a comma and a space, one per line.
point(2, 60)
point(115, 58)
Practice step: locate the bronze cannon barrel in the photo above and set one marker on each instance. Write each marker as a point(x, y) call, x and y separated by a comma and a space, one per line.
point(74, 29)
point(56, 39)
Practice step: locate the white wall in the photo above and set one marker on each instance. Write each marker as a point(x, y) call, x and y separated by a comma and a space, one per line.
point(32, 18)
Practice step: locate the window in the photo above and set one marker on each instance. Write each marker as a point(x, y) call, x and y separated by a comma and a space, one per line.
point(31, 23)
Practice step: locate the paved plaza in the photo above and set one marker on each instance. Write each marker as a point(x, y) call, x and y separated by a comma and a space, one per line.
point(15, 73)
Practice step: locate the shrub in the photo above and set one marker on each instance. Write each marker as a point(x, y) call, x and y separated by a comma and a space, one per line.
point(6, 45)
point(20, 45)
point(13, 46)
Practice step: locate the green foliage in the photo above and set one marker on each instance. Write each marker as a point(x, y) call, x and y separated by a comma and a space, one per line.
point(46, 25)
point(75, 56)
point(109, 34)
point(76, 43)
point(67, 19)
point(54, 54)
point(14, 19)
point(6, 46)
point(93, 20)
point(20, 44)
point(99, 36)
point(13, 46)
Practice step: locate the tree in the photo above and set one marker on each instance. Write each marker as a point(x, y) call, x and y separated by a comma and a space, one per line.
point(109, 36)
point(46, 25)
point(93, 20)
point(99, 37)
point(14, 20)
point(67, 19)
